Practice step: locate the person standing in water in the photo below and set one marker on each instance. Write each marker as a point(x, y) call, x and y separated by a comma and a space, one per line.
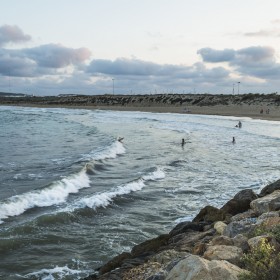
point(183, 142)
point(233, 140)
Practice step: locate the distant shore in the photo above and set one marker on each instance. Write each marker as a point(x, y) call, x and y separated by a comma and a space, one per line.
point(258, 106)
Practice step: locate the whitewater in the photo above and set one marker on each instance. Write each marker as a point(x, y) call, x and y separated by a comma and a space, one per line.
point(72, 196)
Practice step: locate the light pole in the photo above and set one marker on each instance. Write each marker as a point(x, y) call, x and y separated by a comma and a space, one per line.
point(238, 83)
point(233, 89)
point(113, 85)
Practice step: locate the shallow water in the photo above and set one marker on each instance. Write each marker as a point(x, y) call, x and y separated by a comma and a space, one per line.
point(72, 196)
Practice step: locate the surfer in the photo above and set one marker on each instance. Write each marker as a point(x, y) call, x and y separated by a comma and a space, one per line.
point(239, 124)
point(233, 140)
point(120, 139)
point(183, 142)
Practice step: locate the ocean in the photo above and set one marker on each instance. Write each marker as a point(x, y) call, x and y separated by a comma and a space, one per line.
point(72, 196)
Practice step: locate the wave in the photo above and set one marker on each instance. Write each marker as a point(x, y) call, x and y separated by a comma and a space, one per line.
point(54, 194)
point(109, 152)
point(59, 271)
point(105, 198)
point(58, 191)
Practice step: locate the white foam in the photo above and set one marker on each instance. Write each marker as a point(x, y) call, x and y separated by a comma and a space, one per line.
point(55, 273)
point(105, 198)
point(109, 152)
point(54, 194)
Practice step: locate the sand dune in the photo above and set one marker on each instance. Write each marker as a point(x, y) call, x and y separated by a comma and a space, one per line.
point(251, 105)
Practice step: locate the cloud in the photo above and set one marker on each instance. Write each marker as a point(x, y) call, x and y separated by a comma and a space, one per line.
point(135, 67)
point(12, 34)
point(57, 56)
point(255, 61)
point(211, 55)
point(42, 60)
point(264, 33)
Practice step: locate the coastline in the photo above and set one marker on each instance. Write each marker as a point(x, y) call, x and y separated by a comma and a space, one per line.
point(247, 105)
point(217, 244)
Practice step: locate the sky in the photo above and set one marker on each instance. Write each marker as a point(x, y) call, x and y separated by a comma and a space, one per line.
point(52, 47)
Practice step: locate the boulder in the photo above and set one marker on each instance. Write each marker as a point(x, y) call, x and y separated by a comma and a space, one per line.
point(220, 227)
point(267, 217)
point(243, 226)
point(231, 254)
point(210, 214)
point(267, 203)
point(240, 203)
point(196, 268)
point(222, 240)
point(166, 256)
point(115, 262)
point(245, 215)
point(151, 246)
point(270, 188)
point(186, 242)
point(185, 226)
point(256, 241)
point(241, 241)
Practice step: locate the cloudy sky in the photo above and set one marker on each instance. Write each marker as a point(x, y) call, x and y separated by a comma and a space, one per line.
point(50, 47)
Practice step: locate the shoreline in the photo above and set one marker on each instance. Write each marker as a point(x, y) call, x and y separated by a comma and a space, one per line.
point(211, 246)
point(242, 111)
point(256, 106)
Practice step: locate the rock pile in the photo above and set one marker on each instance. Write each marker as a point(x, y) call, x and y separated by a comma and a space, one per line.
point(208, 248)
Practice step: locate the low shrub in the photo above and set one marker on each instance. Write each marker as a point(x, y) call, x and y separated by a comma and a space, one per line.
point(263, 263)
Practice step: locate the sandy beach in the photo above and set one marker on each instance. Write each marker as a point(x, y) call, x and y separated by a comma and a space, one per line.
point(257, 106)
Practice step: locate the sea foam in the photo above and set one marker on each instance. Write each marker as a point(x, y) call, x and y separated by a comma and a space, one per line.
point(57, 192)
point(108, 152)
point(105, 198)
point(59, 272)
point(54, 194)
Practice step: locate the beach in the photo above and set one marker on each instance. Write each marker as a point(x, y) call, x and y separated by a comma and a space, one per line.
point(258, 106)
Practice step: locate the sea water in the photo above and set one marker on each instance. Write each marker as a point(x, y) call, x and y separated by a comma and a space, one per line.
point(72, 196)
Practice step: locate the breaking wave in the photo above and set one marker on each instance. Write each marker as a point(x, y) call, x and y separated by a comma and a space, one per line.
point(105, 198)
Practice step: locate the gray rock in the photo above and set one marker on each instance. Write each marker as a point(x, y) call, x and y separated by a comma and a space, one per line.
point(231, 254)
point(243, 226)
point(222, 240)
point(241, 241)
point(267, 203)
point(270, 188)
point(197, 268)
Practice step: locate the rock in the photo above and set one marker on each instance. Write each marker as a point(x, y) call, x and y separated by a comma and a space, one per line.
point(241, 241)
point(197, 268)
point(186, 242)
point(199, 249)
point(220, 227)
point(231, 254)
point(256, 241)
point(243, 226)
point(166, 256)
point(267, 215)
point(241, 216)
point(144, 271)
point(246, 194)
point(150, 246)
point(240, 203)
point(185, 226)
point(267, 203)
point(114, 263)
point(270, 188)
point(222, 240)
point(210, 214)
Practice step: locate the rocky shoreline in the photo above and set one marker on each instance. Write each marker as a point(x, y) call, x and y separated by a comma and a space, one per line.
point(212, 246)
